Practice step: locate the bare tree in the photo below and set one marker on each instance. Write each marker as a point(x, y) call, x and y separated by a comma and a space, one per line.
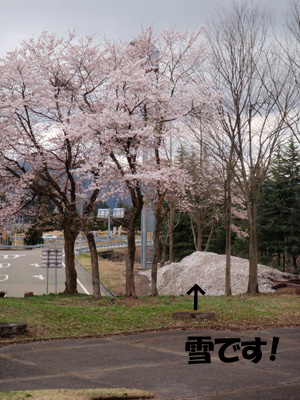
point(290, 46)
point(172, 220)
point(219, 149)
point(256, 91)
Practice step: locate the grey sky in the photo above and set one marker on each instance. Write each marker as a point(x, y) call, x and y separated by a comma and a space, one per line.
point(115, 19)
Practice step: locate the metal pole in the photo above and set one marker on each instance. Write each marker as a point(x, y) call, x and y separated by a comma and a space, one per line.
point(144, 227)
point(108, 223)
point(48, 255)
point(144, 239)
point(56, 251)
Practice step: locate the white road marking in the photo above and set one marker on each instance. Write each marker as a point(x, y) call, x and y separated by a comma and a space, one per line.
point(8, 256)
point(35, 265)
point(6, 265)
point(83, 288)
point(5, 279)
point(39, 277)
point(80, 284)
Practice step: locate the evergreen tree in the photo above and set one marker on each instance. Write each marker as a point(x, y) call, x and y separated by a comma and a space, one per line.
point(183, 238)
point(279, 210)
point(33, 236)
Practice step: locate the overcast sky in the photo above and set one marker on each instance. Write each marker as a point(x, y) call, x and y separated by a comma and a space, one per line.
point(114, 19)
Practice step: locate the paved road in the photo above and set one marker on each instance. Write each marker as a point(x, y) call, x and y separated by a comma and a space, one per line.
point(20, 272)
point(157, 362)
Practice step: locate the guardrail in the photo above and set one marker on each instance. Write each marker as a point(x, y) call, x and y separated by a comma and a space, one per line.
point(60, 242)
point(29, 247)
point(79, 248)
point(85, 249)
point(119, 245)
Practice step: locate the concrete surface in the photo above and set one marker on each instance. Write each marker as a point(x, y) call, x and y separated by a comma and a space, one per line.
point(11, 328)
point(157, 362)
point(20, 272)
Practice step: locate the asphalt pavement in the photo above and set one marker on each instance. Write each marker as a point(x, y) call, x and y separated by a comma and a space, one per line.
point(159, 363)
point(21, 271)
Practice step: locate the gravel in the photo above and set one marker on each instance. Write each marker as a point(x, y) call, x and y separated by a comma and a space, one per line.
point(208, 271)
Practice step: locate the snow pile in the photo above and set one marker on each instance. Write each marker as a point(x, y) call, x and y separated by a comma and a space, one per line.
point(208, 271)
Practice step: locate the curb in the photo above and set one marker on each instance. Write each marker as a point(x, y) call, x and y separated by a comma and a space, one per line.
point(12, 328)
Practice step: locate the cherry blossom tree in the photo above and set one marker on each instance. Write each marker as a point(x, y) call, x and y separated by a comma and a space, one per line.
point(204, 196)
point(171, 220)
point(172, 214)
point(166, 183)
point(72, 110)
point(154, 81)
point(43, 85)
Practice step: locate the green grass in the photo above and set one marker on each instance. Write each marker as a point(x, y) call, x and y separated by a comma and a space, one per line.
point(83, 256)
point(56, 316)
point(82, 394)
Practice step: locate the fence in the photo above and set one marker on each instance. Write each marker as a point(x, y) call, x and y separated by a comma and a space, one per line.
point(115, 243)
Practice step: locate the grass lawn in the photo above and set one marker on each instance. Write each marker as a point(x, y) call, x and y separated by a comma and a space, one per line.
point(86, 394)
point(112, 272)
point(61, 316)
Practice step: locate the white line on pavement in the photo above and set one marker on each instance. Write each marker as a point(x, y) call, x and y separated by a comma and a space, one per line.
point(6, 265)
point(5, 279)
point(80, 284)
point(38, 276)
point(6, 256)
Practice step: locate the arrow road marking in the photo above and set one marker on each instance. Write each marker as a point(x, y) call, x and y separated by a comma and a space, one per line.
point(195, 289)
point(3, 279)
point(38, 277)
point(6, 265)
point(35, 265)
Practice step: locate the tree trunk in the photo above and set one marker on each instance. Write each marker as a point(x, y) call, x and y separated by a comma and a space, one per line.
point(212, 229)
point(71, 274)
point(137, 205)
point(171, 230)
point(295, 262)
point(194, 234)
point(164, 252)
point(158, 222)
point(253, 252)
point(199, 238)
point(130, 288)
point(278, 258)
point(228, 237)
point(95, 264)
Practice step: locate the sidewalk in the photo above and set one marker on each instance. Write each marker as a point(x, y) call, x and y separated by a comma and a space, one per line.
point(157, 362)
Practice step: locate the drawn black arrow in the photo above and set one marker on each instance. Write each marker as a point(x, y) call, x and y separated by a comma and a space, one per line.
point(195, 289)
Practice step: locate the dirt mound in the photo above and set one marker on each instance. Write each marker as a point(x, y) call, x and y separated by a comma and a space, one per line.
point(208, 271)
